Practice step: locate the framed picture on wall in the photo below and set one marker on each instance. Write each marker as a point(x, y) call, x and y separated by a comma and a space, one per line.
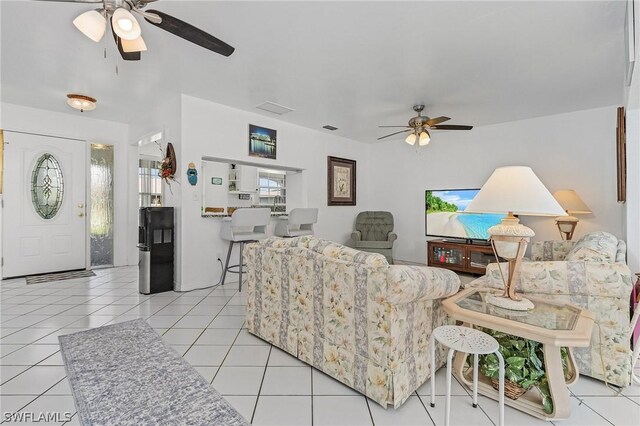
point(341, 182)
point(262, 142)
point(621, 157)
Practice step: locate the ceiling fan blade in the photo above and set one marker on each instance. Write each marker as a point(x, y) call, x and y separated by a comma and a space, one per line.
point(404, 127)
point(437, 120)
point(127, 56)
point(452, 127)
point(191, 33)
point(396, 133)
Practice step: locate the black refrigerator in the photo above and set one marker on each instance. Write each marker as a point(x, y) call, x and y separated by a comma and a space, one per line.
point(155, 241)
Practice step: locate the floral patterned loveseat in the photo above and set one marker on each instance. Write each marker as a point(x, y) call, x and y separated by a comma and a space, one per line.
point(591, 273)
point(348, 313)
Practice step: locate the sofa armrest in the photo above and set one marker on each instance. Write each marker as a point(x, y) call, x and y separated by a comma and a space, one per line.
point(356, 236)
point(408, 284)
point(391, 237)
point(596, 279)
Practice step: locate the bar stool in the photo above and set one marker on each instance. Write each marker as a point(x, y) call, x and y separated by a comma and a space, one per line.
point(244, 226)
point(471, 341)
point(299, 222)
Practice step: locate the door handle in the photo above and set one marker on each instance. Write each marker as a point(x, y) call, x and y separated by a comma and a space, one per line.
point(81, 214)
point(80, 206)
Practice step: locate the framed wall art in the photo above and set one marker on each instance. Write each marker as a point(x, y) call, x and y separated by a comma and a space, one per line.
point(621, 156)
point(341, 182)
point(262, 142)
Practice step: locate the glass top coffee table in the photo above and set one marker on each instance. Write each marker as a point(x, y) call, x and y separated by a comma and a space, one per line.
point(553, 324)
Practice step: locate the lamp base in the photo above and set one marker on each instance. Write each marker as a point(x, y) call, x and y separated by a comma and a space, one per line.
point(507, 303)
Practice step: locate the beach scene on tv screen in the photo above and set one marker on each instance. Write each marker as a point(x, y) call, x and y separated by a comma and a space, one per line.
point(445, 215)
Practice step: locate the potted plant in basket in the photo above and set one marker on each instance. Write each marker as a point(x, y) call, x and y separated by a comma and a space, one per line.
point(524, 367)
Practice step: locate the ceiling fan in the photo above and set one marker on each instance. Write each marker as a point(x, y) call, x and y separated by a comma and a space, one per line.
point(420, 125)
point(126, 30)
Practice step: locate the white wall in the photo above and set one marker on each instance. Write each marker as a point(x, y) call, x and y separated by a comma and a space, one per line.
point(163, 117)
point(74, 125)
point(574, 151)
point(632, 207)
point(216, 130)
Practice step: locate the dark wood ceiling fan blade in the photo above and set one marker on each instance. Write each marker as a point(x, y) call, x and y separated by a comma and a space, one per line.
point(404, 127)
point(396, 133)
point(190, 33)
point(452, 127)
point(437, 120)
point(127, 56)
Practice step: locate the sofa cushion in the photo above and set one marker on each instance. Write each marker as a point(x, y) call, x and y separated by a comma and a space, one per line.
point(338, 251)
point(374, 244)
point(595, 247)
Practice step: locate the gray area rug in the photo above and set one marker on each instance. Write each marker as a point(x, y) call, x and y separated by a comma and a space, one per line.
point(124, 374)
point(58, 276)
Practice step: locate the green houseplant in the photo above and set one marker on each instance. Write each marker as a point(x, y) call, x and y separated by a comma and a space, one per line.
point(524, 365)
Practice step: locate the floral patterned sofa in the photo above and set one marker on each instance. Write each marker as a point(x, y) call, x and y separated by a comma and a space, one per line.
point(591, 273)
point(348, 313)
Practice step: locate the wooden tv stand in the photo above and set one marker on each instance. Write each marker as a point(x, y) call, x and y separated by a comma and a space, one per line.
point(460, 256)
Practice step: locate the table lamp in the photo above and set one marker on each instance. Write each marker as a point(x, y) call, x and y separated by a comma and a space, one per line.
point(514, 190)
point(572, 204)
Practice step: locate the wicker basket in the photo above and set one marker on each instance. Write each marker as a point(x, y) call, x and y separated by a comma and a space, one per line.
point(511, 389)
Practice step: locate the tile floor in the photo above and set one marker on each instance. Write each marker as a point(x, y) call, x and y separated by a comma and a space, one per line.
point(267, 385)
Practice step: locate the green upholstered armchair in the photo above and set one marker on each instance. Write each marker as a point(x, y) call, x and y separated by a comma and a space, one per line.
point(374, 233)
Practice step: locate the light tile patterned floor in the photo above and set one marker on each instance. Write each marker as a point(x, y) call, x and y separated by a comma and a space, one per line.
point(267, 385)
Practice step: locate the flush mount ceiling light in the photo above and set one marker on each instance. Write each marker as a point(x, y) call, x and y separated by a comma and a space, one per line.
point(126, 29)
point(81, 102)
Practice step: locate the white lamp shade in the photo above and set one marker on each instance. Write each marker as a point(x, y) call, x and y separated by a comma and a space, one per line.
point(424, 138)
point(92, 24)
point(571, 202)
point(137, 45)
point(515, 189)
point(125, 24)
point(411, 139)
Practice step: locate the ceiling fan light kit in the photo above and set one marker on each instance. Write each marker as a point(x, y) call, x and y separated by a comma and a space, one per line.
point(92, 24)
point(125, 24)
point(81, 102)
point(420, 125)
point(137, 45)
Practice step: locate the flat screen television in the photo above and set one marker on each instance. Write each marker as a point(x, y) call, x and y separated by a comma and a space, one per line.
point(445, 216)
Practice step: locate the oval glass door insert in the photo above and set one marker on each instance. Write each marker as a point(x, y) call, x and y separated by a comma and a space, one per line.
point(47, 186)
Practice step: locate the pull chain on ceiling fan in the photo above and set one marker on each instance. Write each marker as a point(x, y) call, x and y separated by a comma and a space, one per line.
point(126, 30)
point(420, 125)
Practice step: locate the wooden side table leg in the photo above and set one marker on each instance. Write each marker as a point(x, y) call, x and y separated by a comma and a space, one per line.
point(557, 385)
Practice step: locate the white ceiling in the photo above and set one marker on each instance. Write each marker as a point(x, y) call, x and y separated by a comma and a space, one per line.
point(350, 64)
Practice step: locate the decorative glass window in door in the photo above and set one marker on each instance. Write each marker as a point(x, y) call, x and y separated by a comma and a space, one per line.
point(101, 205)
point(47, 186)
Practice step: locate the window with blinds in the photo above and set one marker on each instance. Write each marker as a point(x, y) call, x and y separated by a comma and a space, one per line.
point(149, 183)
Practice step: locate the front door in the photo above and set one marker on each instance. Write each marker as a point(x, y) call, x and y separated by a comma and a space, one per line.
point(43, 228)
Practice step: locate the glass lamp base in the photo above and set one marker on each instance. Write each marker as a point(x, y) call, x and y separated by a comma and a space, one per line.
point(506, 303)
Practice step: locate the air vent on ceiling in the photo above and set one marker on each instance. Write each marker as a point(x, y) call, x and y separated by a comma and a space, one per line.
point(274, 108)
point(329, 127)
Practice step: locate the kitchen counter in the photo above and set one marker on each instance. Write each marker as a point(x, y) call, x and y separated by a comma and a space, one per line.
point(223, 215)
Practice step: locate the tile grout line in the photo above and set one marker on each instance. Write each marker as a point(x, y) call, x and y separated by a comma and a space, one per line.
point(264, 373)
point(425, 407)
point(366, 400)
